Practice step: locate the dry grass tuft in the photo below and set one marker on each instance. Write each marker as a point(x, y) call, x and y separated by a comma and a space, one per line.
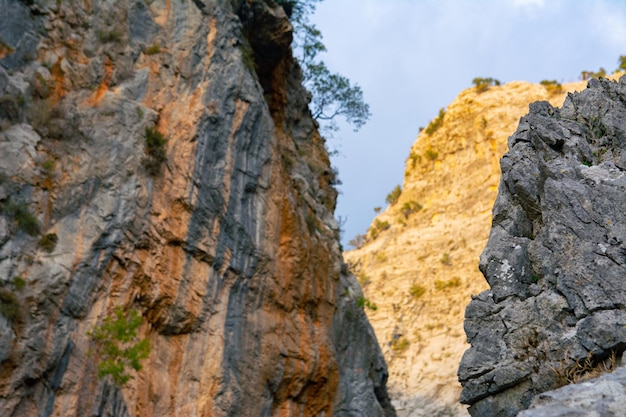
point(587, 368)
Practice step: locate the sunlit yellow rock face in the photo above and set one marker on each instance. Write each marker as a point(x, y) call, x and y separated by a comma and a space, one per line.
point(421, 271)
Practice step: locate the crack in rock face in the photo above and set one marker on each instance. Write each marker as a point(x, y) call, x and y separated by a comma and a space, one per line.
point(555, 259)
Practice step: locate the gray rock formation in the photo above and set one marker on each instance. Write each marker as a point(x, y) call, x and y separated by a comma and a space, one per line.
point(601, 397)
point(223, 238)
point(556, 256)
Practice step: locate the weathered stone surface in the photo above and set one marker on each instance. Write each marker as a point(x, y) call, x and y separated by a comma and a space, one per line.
point(229, 249)
point(555, 260)
point(604, 396)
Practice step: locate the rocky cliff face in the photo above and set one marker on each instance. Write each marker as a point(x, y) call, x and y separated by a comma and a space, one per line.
point(555, 259)
point(419, 264)
point(223, 239)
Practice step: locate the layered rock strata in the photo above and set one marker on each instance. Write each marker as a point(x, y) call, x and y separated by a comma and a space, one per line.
point(224, 239)
point(556, 257)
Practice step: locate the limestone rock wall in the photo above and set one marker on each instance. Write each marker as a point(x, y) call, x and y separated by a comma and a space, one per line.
point(555, 259)
point(228, 248)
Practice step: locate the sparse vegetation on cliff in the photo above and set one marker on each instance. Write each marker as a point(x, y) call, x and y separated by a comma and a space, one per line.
point(409, 208)
point(587, 75)
point(119, 347)
point(394, 195)
point(48, 242)
point(155, 151)
point(358, 241)
point(377, 227)
point(583, 369)
point(9, 305)
point(332, 94)
point(431, 154)
point(449, 283)
point(417, 291)
point(436, 122)
point(483, 84)
point(153, 49)
point(22, 217)
point(400, 344)
point(552, 86)
point(363, 302)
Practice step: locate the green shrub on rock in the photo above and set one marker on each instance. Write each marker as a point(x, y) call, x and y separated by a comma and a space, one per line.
point(118, 345)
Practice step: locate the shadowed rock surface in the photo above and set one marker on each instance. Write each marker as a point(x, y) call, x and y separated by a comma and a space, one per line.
point(225, 241)
point(556, 256)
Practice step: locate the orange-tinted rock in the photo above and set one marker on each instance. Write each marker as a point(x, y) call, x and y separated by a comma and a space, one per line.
point(228, 248)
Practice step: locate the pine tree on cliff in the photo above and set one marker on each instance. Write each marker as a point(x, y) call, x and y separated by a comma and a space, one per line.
point(332, 94)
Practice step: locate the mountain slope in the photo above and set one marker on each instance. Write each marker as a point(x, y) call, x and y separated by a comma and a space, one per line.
point(419, 263)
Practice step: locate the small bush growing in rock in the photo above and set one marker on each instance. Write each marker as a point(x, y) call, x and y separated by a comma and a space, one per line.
point(431, 154)
point(111, 36)
point(450, 283)
point(415, 159)
point(409, 208)
point(358, 241)
point(399, 344)
point(378, 227)
point(582, 369)
point(11, 107)
point(48, 242)
point(483, 84)
point(445, 259)
point(39, 113)
point(622, 63)
point(9, 305)
point(153, 49)
point(435, 123)
point(552, 86)
point(19, 283)
point(118, 345)
point(587, 75)
point(363, 302)
point(24, 219)
point(417, 291)
point(394, 195)
point(155, 151)
point(363, 278)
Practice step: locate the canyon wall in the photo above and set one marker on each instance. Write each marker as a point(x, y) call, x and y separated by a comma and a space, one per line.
point(223, 237)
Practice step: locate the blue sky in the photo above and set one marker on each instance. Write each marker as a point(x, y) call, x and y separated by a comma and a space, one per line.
point(412, 57)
